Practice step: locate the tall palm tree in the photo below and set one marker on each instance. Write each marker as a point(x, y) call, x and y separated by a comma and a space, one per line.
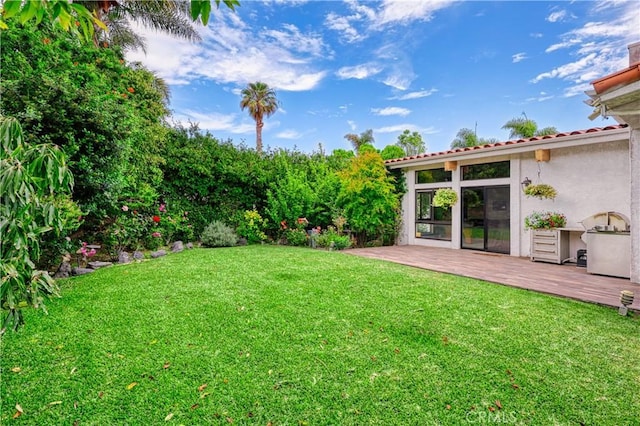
point(467, 137)
point(523, 127)
point(365, 138)
point(261, 102)
point(169, 16)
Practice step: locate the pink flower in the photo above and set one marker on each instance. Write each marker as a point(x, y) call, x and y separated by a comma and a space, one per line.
point(162, 208)
point(125, 208)
point(156, 235)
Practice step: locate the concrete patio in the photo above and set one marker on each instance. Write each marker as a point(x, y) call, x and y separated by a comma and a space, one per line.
point(560, 280)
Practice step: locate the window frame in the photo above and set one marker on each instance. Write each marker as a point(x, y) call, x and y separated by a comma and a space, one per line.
point(432, 214)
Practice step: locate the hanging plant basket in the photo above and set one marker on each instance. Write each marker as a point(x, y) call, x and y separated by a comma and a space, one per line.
point(445, 197)
point(541, 190)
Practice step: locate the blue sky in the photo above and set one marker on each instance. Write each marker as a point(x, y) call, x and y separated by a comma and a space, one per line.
point(433, 67)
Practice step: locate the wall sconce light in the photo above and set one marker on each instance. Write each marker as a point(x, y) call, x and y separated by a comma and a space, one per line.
point(526, 182)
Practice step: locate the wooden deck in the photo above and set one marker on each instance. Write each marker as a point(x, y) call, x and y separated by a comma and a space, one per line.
point(562, 280)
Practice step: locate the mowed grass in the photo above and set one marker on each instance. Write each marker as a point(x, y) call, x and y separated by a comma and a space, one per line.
point(277, 335)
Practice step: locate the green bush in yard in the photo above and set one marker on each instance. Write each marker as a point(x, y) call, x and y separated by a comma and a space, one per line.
point(217, 234)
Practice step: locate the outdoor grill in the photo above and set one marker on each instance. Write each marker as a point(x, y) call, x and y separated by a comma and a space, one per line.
point(608, 241)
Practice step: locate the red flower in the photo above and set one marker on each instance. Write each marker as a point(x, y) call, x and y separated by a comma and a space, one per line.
point(130, 90)
point(156, 219)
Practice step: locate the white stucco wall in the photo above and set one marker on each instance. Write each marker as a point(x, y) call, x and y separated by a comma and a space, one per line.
point(589, 179)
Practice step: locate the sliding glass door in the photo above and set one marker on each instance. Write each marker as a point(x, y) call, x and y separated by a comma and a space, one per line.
point(485, 218)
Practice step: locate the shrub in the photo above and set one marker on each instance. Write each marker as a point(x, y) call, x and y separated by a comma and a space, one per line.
point(252, 227)
point(296, 237)
point(217, 234)
point(331, 238)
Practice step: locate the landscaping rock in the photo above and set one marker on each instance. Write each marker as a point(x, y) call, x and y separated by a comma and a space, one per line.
point(189, 246)
point(158, 253)
point(98, 264)
point(138, 255)
point(82, 271)
point(64, 271)
point(124, 257)
point(177, 247)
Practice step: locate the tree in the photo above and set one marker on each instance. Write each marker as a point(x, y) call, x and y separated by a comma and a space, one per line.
point(523, 127)
point(368, 197)
point(77, 18)
point(261, 102)
point(169, 16)
point(467, 137)
point(392, 151)
point(109, 118)
point(464, 138)
point(411, 143)
point(30, 176)
point(365, 138)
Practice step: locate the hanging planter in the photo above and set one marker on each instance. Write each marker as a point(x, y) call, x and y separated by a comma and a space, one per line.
point(541, 190)
point(445, 197)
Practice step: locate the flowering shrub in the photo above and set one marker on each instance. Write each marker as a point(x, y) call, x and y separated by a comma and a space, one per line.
point(252, 227)
point(545, 220)
point(86, 253)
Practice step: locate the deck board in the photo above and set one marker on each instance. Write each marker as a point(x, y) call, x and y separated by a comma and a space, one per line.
point(562, 280)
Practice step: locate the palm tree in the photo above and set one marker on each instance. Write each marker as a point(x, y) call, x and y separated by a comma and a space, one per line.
point(523, 127)
point(365, 138)
point(467, 137)
point(261, 101)
point(169, 16)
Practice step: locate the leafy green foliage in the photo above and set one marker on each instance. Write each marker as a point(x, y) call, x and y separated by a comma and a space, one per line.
point(217, 234)
point(523, 127)
point(445, 197)
point(368, 197)
point(296, 237)
point(30, 175)
point(252, 227)
point(392, 151)
point(411, 143)
point(107, 117)
point(357, 141)
point(289, 198)
point(331, 238)
point(541, 190)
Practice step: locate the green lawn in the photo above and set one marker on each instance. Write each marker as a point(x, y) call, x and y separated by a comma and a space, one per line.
point(261, 334)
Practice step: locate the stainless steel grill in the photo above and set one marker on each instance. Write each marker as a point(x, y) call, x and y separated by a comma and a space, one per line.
point(608, 244)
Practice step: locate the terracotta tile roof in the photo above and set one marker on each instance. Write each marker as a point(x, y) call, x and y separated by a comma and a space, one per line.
point(512, 142)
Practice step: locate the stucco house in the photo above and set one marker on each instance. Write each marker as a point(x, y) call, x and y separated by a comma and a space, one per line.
point(596, 173)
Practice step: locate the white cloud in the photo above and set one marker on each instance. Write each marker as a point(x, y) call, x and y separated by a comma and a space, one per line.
point(232, 52)
point(566, 70)
point(399, 11)
point(518, 57)
point(415, 95)
point(352, 125)
point(403, 127)
point(289, 134)
point(391, 111)
point(597, 47)
point(536, 35)
point(543, 97)
point(215, 121)
point(343, 25)
point(359, 72)
point(557, 16)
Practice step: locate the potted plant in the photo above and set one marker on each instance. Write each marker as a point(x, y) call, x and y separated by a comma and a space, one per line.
point(545, 220)
point(445, 197)
point(540, 190)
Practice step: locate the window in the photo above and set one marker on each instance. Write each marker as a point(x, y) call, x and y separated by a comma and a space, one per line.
point(432, 176)
point(500, 169)
point(431, 222)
